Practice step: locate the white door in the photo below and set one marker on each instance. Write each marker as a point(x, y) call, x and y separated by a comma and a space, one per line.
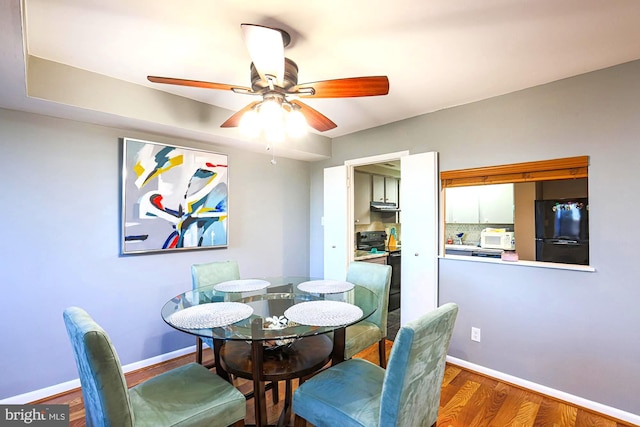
point(419, 270)
point(335, 223)
point(419, 236)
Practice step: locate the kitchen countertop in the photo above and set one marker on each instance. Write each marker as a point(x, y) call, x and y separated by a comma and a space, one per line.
point(471, 248)
point(360, 255)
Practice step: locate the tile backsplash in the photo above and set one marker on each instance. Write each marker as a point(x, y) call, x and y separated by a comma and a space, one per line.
point(471, 231)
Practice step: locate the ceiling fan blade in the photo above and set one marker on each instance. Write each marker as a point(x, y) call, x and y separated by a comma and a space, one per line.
point(194, 83)
point(234, 120)
point(266, 49)
point(315, 119)
point(346, 88)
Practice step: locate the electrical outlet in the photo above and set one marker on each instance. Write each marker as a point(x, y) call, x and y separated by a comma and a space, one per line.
point(475, 334)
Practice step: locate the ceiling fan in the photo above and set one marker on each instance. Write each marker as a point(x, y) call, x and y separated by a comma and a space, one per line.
point(274, 79)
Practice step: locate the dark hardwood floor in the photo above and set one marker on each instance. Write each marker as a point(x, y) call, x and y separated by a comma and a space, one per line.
point(468, 400)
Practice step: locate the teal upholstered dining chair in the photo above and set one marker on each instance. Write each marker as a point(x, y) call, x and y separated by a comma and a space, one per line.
point(211, 273)
point(359, 393)
point(189, 395)
point(377, 278)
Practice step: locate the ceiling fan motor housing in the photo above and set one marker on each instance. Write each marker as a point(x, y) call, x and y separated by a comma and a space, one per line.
point(290, 78)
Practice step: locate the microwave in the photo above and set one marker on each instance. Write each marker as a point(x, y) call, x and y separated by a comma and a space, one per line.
point(492, 239)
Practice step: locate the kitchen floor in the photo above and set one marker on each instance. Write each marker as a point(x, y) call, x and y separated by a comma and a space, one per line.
point(393, 324)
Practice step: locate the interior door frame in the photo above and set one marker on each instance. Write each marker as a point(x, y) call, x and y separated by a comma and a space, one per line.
point(350, 165)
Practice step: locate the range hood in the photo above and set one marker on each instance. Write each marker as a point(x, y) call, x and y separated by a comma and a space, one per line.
point(384, 207)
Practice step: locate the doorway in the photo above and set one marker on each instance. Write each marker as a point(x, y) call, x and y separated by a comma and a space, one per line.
point(376, 190)
point(419, 195)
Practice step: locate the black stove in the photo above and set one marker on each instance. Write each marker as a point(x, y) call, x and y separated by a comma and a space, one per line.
point(367, 240)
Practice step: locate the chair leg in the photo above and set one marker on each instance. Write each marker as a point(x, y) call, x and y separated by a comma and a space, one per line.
point(382, 352)
point(298, 421)
point(275, 392)
point(198, 350)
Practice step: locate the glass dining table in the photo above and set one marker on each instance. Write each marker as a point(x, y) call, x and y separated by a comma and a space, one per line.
point(272, 329)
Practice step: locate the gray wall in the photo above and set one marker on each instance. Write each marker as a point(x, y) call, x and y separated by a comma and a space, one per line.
point(60, 244)
point(572, 331)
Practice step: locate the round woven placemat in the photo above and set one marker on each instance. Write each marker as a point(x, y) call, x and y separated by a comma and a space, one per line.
point(323, 313)
point(241, 285)
point(210, 315)
point(325, 286)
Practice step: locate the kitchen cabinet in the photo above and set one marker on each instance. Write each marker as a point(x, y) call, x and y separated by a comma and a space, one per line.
point(480, 204)
point(378, 188)
point(362, 198)
point(391, 186)
point(461, 205)
point(495, 204)
point(385, 189)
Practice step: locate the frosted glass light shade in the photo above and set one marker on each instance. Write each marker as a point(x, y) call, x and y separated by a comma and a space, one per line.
point(296, 124)
point(271, 114)
point(250, 124)
point(272, 119)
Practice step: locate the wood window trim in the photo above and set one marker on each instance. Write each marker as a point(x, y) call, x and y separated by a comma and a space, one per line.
point(545, 170)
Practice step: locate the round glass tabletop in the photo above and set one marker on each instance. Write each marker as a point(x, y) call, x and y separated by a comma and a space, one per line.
point(259, 313)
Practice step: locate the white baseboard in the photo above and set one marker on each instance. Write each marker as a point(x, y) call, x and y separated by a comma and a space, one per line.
point(561, 395)
point(70, 385)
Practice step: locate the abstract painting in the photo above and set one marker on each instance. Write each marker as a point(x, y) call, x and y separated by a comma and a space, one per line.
point(173, 198)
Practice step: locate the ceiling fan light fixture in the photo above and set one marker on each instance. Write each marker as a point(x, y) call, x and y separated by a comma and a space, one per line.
point(296, 123)
point(271, 113)
point(250, 125)
point(275, 118)
point(272, 119)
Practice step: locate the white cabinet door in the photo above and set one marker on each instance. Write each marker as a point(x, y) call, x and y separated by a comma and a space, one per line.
point(391, 189)
point(378, 188)
point(495, 203)
point(461, 205)
point(385, 189)
point(335, 223)
point(419, 269)
point(361, 198)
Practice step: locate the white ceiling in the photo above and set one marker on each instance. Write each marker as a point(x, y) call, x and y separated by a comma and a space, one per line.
point(437, 54)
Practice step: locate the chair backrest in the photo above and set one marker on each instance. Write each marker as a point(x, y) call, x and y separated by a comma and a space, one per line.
point(413, 380)
point(104, 388)
point(212, 273)
point(377, 278)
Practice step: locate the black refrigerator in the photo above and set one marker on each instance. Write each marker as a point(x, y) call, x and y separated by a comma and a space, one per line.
point(562, 231)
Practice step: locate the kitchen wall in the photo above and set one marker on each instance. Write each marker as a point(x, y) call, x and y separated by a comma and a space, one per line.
point(571, 331)
point(60, 203)
point(471, 232)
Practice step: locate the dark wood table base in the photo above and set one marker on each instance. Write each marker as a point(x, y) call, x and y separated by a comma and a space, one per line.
point(301, 359)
